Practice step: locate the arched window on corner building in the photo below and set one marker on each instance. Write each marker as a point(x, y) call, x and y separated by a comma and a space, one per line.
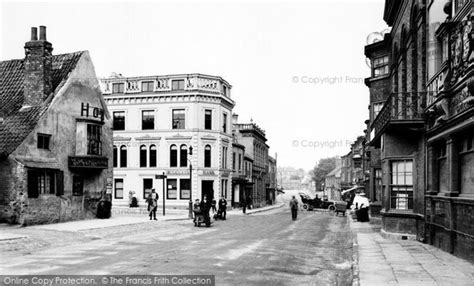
point(152, 156)
point(143, 156)
point(207, 156)
point(123, 156)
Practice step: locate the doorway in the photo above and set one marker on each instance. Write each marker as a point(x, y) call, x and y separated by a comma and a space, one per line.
point(207, 188)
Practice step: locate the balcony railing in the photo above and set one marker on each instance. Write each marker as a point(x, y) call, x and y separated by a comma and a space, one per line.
point(192, 82)
point(251, 127)
point(399, 108)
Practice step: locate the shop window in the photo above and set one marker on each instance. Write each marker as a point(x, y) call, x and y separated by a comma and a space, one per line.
point(207, 156)
point(172, 190)
point(442, 165)
point(184, 189)
point(401, 187)
point(143, 156)
point(173, 156)
point(152, 156)
point(148, 120)
point(378, 184)
point(466, 164)
point(118, 120)
point(147, 186)
point(94, 139)
point(43, 141)
point(118, 193)
point(178, 118)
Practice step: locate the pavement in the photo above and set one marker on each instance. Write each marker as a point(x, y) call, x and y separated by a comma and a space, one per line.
point(7, 232)
point(380, 261)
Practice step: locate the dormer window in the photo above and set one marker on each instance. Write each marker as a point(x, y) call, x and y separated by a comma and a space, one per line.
point(380, 66)
point(147, 85)
point(118, 88)
point(177, 84)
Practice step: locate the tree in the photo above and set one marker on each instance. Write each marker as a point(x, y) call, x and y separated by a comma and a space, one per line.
point(324, 166)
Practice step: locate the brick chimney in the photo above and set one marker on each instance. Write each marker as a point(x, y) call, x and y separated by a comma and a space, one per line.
point(37, 83)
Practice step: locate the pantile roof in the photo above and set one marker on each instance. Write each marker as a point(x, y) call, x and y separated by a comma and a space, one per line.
point(16, 122)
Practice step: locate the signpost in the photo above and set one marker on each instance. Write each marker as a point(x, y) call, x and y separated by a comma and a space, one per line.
point(163, 177)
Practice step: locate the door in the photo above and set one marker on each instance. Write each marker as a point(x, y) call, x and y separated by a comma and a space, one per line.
point(207, 188)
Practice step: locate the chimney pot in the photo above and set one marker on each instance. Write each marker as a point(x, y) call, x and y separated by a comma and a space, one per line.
point(34, 34)
point(42, 33)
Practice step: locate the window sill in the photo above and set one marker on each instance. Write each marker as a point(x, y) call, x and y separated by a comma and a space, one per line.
point(400, 213)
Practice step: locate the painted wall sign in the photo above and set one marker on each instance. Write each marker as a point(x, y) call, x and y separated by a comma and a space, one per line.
point(91, 111)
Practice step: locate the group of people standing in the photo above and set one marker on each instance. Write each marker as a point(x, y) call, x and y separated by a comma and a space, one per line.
point(203, 208)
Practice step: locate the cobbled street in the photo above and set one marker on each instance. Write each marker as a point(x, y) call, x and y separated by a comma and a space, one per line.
point(262, 248)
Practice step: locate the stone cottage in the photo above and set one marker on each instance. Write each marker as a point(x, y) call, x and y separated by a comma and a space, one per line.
point(55, 136)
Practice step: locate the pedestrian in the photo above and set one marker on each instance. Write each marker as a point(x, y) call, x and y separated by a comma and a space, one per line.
point(196, 210)
point(205, 208)
point(152, 201)
point(213, 206)
point(244, 205)
point(294, 208)
point(223, 207)
point(130, 196)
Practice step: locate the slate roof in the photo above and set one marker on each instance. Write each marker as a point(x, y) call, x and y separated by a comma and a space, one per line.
point(16, 123)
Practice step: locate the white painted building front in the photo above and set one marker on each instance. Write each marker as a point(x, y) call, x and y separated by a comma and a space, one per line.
point(157, 121)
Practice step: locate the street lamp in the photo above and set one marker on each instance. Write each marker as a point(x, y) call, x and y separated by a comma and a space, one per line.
point(190, 183)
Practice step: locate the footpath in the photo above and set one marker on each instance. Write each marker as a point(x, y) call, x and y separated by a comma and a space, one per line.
point(13, 232)
point(380, 261)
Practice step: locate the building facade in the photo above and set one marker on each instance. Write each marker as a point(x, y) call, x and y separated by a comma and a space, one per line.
point(253, 138)
point(240, 180)
point(174, 126)
point(332, 183)
point(272, 184)
point(397, 129)
point(423, 132)
point(55, 136)
point(450, 128)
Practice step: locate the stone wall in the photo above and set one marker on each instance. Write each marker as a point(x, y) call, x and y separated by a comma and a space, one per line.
point(13, 195)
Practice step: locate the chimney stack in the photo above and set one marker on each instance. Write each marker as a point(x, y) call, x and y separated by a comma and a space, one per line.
point(37, 84)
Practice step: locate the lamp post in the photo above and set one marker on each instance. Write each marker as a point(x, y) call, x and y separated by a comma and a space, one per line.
point(190, 183)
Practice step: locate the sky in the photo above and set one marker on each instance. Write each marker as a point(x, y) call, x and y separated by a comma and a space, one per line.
point(297, 68)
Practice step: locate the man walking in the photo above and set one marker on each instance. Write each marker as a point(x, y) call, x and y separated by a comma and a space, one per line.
point(223, 207)
point(294, 208)
point(152, 201)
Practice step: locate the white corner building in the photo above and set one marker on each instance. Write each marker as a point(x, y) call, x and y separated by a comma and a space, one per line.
point(157, 121)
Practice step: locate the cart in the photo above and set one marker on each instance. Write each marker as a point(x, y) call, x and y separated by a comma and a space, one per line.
point(341, 207)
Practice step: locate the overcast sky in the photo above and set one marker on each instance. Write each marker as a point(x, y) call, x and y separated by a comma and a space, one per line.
point(296, 68)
